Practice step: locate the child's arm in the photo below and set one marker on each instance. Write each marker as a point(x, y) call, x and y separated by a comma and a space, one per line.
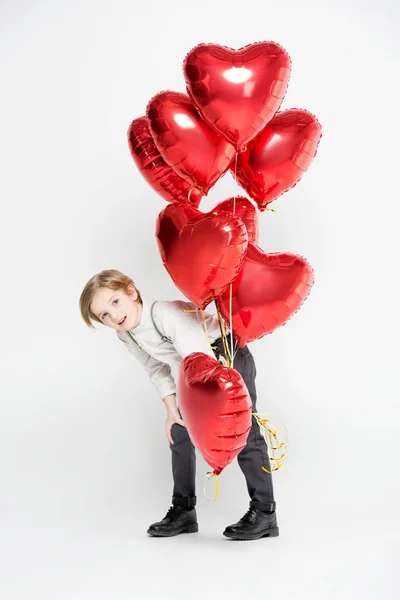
point(160, 375)
point(158, 371)
point(173, 415)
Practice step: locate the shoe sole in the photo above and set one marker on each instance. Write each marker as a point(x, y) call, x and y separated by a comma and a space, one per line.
point(274, 532)
point(187, 529)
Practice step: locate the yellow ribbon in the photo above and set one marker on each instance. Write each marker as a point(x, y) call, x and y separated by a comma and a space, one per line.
point(266, 208)
point(270, 437)
point(231, 285)
point(206, 330)
point(209, 475)
point(196, 310)
point(223, 336)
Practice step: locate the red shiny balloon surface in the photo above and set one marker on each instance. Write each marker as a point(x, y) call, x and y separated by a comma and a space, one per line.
point(277, 158)
point(202, 253)
point(161, 177)
point(237, 91)
point(194, 150)
point(269, 289)
point(243, 208)
point(216, 409)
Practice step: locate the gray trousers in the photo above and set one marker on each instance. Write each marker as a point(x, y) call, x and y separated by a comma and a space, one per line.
point(251, 459)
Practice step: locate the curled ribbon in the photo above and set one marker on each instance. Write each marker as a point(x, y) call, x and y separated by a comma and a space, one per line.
point(271, 438)
point(209, 475)
point(266, 208)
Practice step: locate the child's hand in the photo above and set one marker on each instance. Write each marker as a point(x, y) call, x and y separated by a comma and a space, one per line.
point(173, 417)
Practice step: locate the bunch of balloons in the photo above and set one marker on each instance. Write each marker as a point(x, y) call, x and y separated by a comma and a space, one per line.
point(229, 120)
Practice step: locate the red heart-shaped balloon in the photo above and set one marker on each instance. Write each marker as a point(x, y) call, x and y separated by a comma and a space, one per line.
point(243, 208)
point(162, 178)
point(237, 91)
point(216, 409)
point(269, 289)
point(202, 253)
point(277, 158)
point(194, 150)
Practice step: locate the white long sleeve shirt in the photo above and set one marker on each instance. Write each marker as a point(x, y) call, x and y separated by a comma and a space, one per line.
point(184, 329)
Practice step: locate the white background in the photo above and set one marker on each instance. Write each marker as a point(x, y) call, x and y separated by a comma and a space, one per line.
point(85, 465)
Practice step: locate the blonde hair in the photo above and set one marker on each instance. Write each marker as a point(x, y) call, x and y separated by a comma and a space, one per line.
point(114, 280)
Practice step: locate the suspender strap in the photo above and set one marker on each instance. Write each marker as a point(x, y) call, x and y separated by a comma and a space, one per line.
point(164, 338)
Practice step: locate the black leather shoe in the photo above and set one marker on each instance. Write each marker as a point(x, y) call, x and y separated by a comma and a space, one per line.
point(254, 525)
point(177, 520)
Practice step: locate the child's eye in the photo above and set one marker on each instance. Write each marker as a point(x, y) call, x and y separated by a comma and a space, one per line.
point(116, 300)
point(103, 316)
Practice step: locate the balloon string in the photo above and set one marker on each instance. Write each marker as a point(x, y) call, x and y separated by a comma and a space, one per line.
point(209, 475)
point(266, 208)
point(223, 336)
point(230, 318)
point(231, 285)
point(196, 310)
point(270, 438)
point(206, 330)
point(234, 197)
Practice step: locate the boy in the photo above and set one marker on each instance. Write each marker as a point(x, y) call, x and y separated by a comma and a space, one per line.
point(161, 335)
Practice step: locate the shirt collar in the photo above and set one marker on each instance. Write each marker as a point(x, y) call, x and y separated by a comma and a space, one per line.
point(146, 316)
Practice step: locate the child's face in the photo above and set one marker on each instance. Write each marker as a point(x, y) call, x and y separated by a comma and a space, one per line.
point(117, 309)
